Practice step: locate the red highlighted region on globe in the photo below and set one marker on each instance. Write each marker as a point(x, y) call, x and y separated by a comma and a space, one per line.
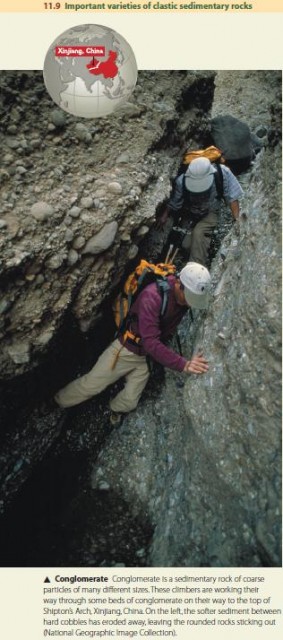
point(108, 68)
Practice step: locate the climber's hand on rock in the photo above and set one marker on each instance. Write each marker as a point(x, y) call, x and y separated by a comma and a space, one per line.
point(198, 364)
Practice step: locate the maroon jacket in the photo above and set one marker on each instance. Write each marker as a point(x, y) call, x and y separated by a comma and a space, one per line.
point(154, 330)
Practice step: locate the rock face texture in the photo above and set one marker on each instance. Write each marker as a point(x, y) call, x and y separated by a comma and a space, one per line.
point(199, 460)
point(203, 461)
point(74, 194)
point(77, 200)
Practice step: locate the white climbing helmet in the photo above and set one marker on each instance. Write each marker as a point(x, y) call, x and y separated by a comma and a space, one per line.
point(199, 175)
point(196, 281)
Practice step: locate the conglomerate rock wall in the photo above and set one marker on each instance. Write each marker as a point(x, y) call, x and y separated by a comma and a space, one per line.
point(203, 460)
point(77, 197)
point(200, 457)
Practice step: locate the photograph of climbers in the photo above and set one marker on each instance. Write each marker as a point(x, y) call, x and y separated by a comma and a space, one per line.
point(140, 310)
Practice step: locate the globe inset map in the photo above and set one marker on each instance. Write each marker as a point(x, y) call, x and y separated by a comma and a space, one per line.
point(90, 70)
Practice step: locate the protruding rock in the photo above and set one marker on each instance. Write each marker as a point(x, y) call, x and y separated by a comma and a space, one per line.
point(73, 257)
point(102, 240)
point(74, 212)
point(143, 230)
point(82, 132)
point(86, 202)
point(41, 211)
point(133, 251)
point(58, 118)
point(55, 261)
point(79, 242)
point(115, 188)
point(19, 352)
point(123, 158)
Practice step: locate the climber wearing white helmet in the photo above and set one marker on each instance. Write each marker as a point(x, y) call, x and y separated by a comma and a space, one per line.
point(196, 198)
point(149, 333)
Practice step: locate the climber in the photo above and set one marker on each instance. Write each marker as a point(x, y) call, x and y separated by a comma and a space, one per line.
point(190, 289)
point(196, 197)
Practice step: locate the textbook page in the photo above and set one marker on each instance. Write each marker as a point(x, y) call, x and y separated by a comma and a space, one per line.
point(122, 600)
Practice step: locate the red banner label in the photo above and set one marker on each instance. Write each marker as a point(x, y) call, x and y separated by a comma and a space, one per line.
point(79, 51)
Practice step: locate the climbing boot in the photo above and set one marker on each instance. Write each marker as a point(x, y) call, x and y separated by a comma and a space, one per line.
point(116, 419)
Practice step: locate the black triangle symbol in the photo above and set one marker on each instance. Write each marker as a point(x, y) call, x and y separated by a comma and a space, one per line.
point(47, 580)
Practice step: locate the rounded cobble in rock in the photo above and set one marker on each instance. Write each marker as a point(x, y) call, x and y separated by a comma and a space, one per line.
point(4, 306)
point(87, 217)
point(8, 158)
point(104, 486)
point(143, 231)
point(5, 175)
point(123, 158)
point(3, 224)
point(115, 188)
point(133, 251)
point(12, 129)
point(16, 114)
point(125, 237)
point(100, 193)
point(88, 178)
point(19, 352)
point(74, 212)
point(163, 106)
point(13, 143)
point(44, 338)
point(55, 261)
point(128, 110)
point(69, 235)
point(73, 257)
point(102, 240)
point(82, 132)
point(58, 118)
point(86, 202)
point(261, 131)
point(79, 242)
point(35, 143)
point(39, 279)
point(41, 211)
